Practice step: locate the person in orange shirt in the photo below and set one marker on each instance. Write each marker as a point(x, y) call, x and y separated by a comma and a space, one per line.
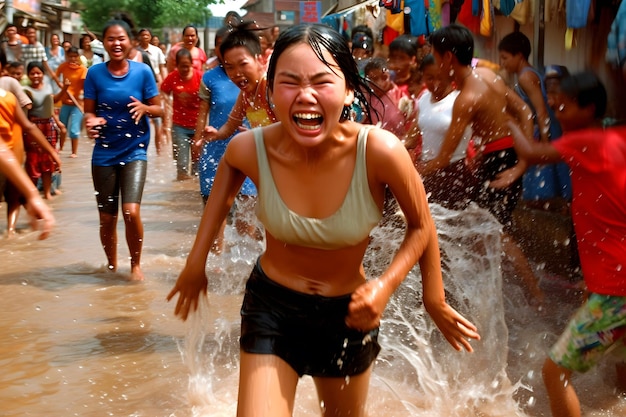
point(71, 115)
point(10, 115)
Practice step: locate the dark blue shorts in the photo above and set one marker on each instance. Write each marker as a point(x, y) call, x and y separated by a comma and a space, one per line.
point(307, 331)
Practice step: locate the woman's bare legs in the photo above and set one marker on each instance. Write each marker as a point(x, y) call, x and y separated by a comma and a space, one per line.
point(344, 397)
point(134, 238)
point(108, 238)
point(267, 386)
point(46, 182)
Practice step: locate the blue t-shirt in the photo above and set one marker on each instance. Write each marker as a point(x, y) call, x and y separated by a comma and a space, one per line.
point(223, 95)
point(121, 140)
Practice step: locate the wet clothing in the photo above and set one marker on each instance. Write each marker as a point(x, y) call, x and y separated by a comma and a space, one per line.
point(121, 140)
point(597, 326)
point(497, 156)
point(597, 158)
point(452, 187)
point(221, 94)
point(186, 102)
point(434, 119)
point(306, 331)
point(110, 181)
point(348, 226)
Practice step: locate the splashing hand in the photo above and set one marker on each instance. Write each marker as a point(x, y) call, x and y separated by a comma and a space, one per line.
point(455, 328)
point(40, 216)
point(190, 285)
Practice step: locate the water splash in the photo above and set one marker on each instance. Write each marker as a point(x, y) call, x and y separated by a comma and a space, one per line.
point(417, 372)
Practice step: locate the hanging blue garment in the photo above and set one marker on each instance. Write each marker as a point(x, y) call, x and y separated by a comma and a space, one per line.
point(477, 7)
point(576, 13)
point(333, 20)
point(419, 20)
point(616, 41)
point(507, 6)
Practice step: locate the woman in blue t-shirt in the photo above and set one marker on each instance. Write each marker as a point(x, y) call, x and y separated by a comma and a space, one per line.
point(118, 94)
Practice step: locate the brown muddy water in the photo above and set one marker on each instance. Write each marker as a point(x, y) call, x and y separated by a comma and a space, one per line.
point(80, 341)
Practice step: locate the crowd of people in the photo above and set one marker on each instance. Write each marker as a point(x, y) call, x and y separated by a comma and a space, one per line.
point(317, 134)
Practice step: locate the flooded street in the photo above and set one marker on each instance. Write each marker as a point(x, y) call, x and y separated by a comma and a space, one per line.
point(81, 341)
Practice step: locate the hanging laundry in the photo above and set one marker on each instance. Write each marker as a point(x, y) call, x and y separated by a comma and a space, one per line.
point(616, 42)
point(506, 6)
point(576, 13)
point(522, 11)
point(486, 19)
point(394, 6)
point(419, 21)
point(468, 18)
point(435, 14)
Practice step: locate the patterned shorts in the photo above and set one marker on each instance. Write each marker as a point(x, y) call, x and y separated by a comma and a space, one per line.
point(596, 328)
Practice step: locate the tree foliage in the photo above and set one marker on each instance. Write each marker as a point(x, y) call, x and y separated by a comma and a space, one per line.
point(154, 14)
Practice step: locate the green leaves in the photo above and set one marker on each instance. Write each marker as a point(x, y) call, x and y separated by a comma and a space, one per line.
point(154, 14)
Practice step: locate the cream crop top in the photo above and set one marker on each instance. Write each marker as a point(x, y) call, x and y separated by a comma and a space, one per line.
point(348, 226)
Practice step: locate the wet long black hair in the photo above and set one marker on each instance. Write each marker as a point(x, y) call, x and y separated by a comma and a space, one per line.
point(323, 38)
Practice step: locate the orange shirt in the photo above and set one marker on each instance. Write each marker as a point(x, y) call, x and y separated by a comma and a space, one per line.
point(11, 132)
point(76, 74)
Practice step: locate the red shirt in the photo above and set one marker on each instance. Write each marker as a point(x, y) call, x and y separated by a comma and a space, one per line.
point(186, 100)
point(597, 159)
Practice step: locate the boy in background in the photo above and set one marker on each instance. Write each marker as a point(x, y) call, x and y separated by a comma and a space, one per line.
point(73, 73)
point(596, 157)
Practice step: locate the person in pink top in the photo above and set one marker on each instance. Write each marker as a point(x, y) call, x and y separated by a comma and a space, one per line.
point(190, 43)
point(596, 156)
point(387, 98)
point(183, 84)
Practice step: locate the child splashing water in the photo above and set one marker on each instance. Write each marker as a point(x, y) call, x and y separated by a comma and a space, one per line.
point(241, 52)
point(308, 307)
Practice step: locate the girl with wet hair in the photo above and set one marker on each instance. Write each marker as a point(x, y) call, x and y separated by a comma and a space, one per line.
point(308, 308)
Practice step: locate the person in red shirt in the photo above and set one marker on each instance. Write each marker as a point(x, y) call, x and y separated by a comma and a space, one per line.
point(183, 84)
point(596, 157)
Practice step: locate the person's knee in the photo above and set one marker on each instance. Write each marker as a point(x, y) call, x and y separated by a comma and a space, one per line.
point(131, 212)
point(554, 374)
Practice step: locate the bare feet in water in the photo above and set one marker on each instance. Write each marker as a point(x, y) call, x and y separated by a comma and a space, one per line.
point(136, 274)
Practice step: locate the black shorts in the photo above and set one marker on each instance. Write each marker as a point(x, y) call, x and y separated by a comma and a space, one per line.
point(111, 181)
point(307, 331)
point(499, 202)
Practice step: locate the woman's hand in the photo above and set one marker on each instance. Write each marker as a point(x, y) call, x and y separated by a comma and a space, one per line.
point(41, 217)
point(507, 177)
point(93, 126)
point(190, 284)
point(137, 109)
point(367, 305)
point(207, 135)
point(455, 328)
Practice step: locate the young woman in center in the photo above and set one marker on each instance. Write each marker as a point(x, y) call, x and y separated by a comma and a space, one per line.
point(308, 308)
